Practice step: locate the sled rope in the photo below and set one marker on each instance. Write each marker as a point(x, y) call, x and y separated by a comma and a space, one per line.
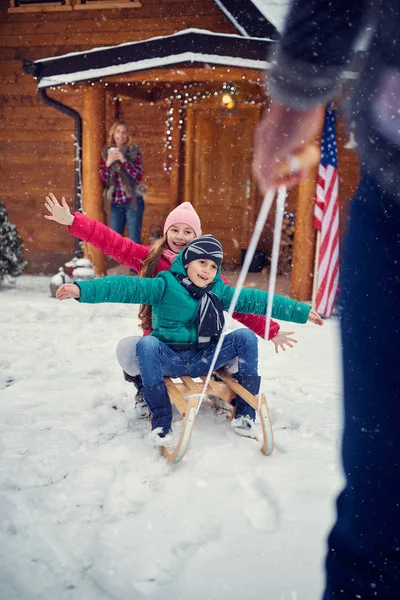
point(280, 206)
point(259, 226)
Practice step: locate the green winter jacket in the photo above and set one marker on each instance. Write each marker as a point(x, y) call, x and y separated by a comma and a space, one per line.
point(175, 310)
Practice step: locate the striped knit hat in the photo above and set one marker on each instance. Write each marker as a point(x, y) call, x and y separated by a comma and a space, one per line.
point(205, 246)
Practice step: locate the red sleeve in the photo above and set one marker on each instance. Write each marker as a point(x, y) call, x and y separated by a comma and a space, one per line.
point(255, 322)
point(123, 249)
point(104, 171)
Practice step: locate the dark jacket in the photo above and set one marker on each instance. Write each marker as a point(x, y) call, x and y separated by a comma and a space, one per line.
point(175, 310)
point(316, 51)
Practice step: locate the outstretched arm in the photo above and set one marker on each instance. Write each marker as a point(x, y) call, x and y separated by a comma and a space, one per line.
point(124, 290)
point(283, 339)
point(68, 290)
point(256, 323)
point(123, 249)
point(286, 309)
point(60, 213)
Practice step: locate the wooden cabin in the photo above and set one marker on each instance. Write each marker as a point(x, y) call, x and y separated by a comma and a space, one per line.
point(70, 67)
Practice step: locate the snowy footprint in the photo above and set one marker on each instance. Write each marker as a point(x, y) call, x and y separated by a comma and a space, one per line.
point(154, 544)
point(261, 507)
point(5, 381)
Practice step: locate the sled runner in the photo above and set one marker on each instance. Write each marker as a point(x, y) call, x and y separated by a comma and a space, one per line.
point(185, 395)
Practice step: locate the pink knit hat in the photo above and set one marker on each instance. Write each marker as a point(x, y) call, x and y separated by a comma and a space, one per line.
point(184, 213)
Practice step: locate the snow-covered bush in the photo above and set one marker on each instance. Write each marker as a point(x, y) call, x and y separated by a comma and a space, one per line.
point(11, 247)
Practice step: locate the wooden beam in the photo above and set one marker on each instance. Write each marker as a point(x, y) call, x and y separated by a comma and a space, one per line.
point(186, 74)
point(304, 240)
point(176, 149)
point(93, 136)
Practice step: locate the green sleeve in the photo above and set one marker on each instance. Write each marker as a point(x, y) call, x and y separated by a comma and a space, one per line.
point(253, 301)
point(126, 290)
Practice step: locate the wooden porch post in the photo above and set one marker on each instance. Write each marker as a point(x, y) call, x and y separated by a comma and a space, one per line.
point(176, 152)
point(304, 240)
point(93, 136)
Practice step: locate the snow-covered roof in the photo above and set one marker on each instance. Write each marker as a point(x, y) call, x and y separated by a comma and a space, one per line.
point(187, 46)
point(256, 18)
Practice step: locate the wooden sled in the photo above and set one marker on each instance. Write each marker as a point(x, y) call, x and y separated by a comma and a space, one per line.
point(186, 397)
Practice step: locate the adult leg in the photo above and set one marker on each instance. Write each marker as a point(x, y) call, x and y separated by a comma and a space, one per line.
point(363, 559)
point(117, 217)
point(134, 220)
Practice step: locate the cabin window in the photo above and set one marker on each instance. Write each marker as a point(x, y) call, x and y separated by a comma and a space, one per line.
point(39, 5)
point(102, 4)
point(60, 5)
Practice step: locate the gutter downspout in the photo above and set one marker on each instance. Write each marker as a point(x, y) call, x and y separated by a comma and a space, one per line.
point(78, 151)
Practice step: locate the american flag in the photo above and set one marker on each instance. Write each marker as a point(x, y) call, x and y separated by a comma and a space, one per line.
point(326, 218)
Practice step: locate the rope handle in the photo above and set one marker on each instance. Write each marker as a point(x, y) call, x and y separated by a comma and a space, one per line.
point(307, 158)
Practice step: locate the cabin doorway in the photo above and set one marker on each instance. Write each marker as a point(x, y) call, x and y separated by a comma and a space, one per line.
point(218, 179)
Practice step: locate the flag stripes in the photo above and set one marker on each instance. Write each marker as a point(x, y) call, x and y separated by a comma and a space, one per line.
point(326, 219)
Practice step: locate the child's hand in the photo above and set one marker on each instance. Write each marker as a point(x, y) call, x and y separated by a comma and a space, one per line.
point(282, 339)
point(315, 318)
point(68, 290)
point(59, 214)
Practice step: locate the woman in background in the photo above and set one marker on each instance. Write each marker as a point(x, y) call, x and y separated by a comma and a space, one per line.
point(121, 171)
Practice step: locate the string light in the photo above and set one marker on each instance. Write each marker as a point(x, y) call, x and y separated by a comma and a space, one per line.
point(183, 96)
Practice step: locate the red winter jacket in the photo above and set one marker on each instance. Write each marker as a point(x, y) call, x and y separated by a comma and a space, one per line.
point(131, 254)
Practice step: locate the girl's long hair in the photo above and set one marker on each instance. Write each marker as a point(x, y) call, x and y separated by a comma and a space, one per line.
point(110, 138)
point(149, 270)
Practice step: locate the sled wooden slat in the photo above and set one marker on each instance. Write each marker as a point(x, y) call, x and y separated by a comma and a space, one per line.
point(176, 396)
point(175, 455)
point(192, 386)
point(211, 384)
point(268, 433)
point(219, 389)
point(238, 389)
point(224, 390)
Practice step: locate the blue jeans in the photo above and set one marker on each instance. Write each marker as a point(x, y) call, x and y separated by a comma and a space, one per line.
point(122, 214)
point(363, 559)
point(157, 360)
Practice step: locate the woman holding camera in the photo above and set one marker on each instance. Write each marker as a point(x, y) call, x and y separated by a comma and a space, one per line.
point(121, 171)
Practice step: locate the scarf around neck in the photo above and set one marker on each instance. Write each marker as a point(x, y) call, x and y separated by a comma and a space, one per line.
point(210, 314)
point(169, 255)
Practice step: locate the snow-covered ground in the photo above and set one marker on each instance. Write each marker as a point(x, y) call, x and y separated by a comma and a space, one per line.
point(90, 511)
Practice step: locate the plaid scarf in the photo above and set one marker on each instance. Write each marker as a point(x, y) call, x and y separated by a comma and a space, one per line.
point(210, 315)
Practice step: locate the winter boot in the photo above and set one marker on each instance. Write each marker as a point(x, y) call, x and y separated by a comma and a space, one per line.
point(245, 416)
point(136, 380)
point(141, 408)
point(157, 399)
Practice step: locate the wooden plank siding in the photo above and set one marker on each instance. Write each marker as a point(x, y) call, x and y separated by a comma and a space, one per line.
point(36, 141)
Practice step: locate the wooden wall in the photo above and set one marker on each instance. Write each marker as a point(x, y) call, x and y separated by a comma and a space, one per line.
point(147, 120)
point(36, 141)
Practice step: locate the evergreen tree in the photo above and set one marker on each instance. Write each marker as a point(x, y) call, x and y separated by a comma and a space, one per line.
point(11, 247)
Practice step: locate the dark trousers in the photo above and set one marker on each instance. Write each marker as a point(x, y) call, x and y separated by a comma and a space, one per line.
point(363, 558)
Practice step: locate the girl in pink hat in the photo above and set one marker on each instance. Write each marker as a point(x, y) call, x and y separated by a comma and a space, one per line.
point(181, 226)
